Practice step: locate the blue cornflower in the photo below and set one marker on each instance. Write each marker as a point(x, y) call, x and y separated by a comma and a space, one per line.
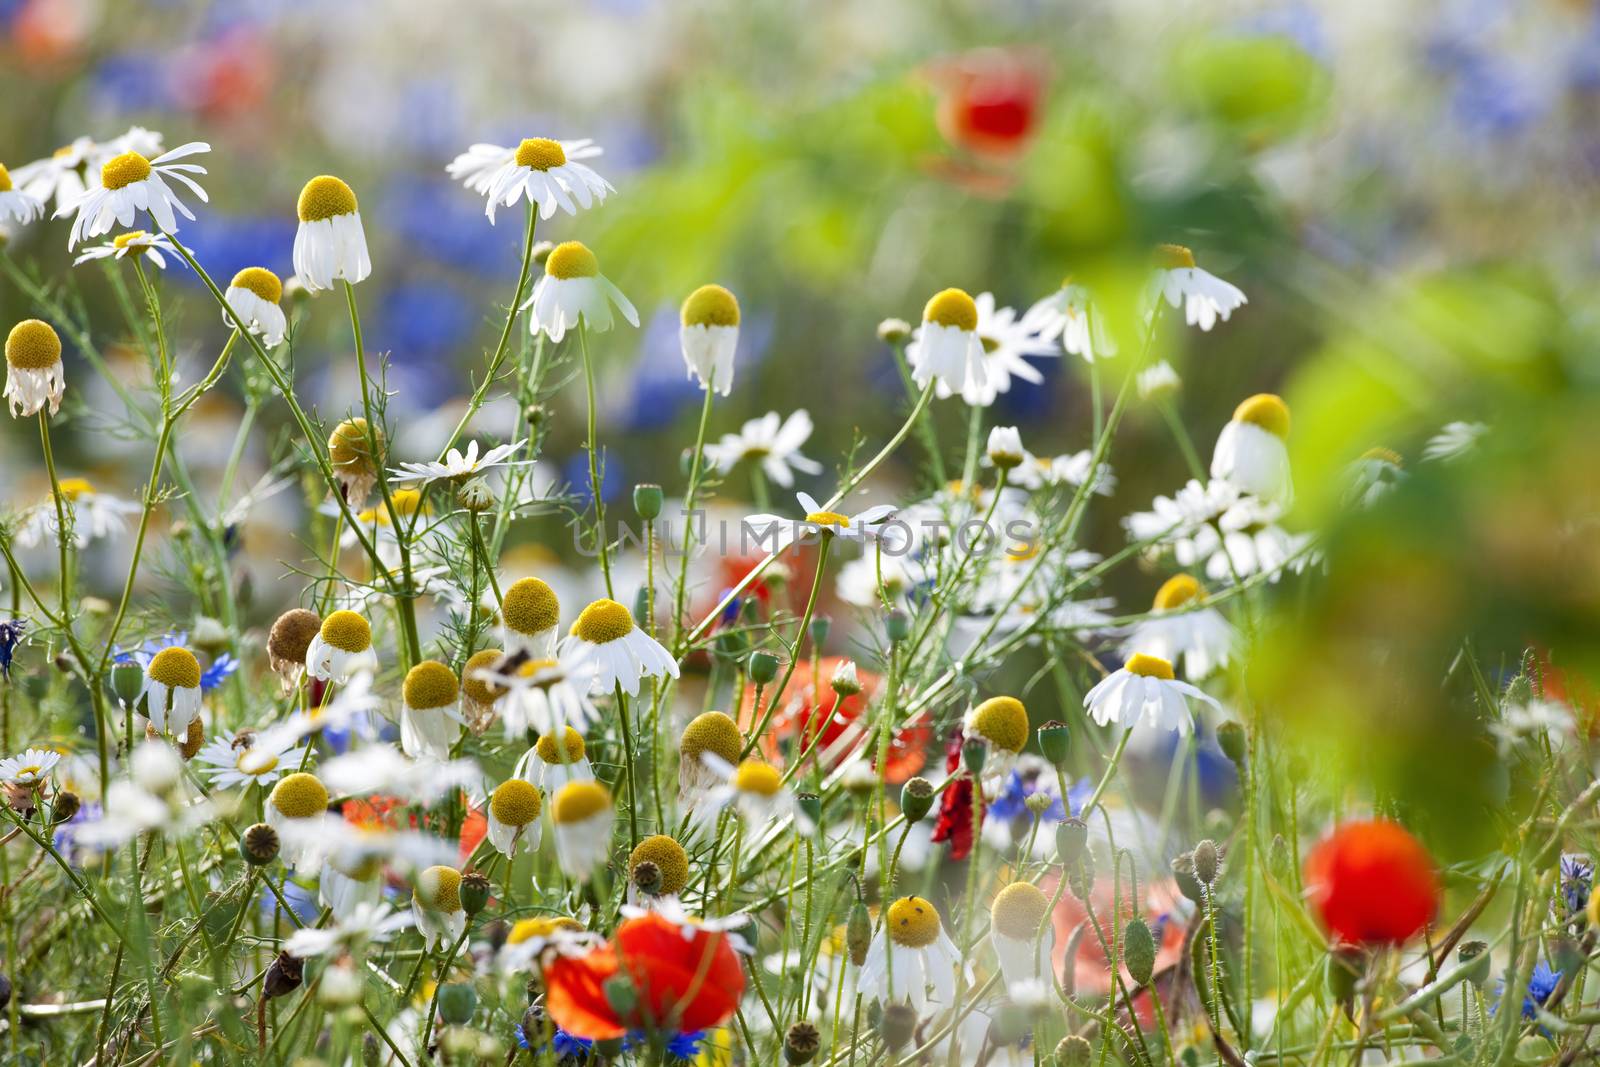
point(10, 634)
point(1577, 880)
point(686, 1046)
point(1541, 983)
point(147, 651)
point(214, 675)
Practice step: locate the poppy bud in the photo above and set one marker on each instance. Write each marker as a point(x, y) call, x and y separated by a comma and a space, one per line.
point(282, 977)
point(810, 807)
point(898, 1025)
point(1054, 741)
point(1188, 884)
point(801, 1044)
point(457, 1002)
point(916, 799)
point(1231, 739)
point(1205, 862)
point(894, 331)
point(259, 845)
point(127, 682)
point(1072, 837)
point(1074, 1051)
point(621, 995)
point(496, 932)
point(475, 890)
point(647, 500)
point(647, 878)
point(820, 626)
point(762, 668)
point(898, 626)
point(858, 933)
point(973, 755)
point(1139, 950)
point(66, 805)
point(1477, 954)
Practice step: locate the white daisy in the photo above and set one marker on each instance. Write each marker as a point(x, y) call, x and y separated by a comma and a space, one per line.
point(1456, 439)
point(1071, 469)
point(351, 932)
point(1198, 638)
point(240, 759)
point(554, 760)
point(1217, 526)
point(774, 533)
point(92, 515)
point(573, 288)
point(130, 183)
point(356, 854)
point(1069, 314)
point(513, 817)
point(59, 176)
point(946, 347)
point(32, 767)
point(456, 465)
point(756, 791)
point(172, 690)
point(34, 375)
point(330, 243)
point(1157, 380)
point(351, 708)
point(709, 733)
point(1006, 343)
point(15, 203)
point(1016, 917)
point(1205, 298)
point(253, 295)
point(708, 334)
point(436, 906)
point(342, 647)
point(1251, 452)
point(909, 953)
point(545, 695)
point(429, 722)
point(381, 768)
point(582, 816)
point(295, 808)
point(544, 171)
point(867, 580)
point(620, 653)
point(130, 811)
point(1144, 687)
point(773, 442)
point(132, 243)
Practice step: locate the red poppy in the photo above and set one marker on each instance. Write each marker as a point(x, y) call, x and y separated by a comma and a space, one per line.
point(474, 828)
point(686, 979)
point(1372, 883)
point(989, 99)
point(954, 823)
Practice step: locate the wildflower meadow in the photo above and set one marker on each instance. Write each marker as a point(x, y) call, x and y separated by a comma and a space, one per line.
point(973, 535)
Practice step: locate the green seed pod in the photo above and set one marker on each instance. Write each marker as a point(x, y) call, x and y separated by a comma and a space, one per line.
point(1475, 953)
point(1231, 739)
point(259, 845)
point(127, 682)
point(898, 626)
point(810, 807)
point(858, 933)
point(1139, 950)
point(762, 668)
point(1055, 741)
point(641, 607)
point(1072, 837)
point(457, 1002)
point(647, 501)
point(621, 995)
point(916, 799)
point(801, 1044)
point(646, 878)
point(475, 890)
point(1345, 966)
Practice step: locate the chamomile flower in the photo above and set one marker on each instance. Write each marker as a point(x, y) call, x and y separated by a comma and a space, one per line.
point(429, 722)
point(93, 515)
point(60, 175)
point(34, 375)
point(1204, 297)
point(545, 172)
point(1157, 381)
point(621, 654)
point(356, 854)
point(341, 648)
point(546, 695)
point(131, 183)
point(1199, 637)
point(1454, 440)
point(711, 733)
point(1006, 344)
point(362, 925)
point(381, 768)
point(1015, 918)
point(15, 203)
point(481, 688)
point(1000, 724)
point(774, 533)
point(351, 708)
point(1004, 449)
point(582, 814)
point(513, 817)
point(330, 244)
point(555, 759)
point(535, 939)
point(946, 348)
point(241, 760)
point(529, 615)
point(670, 875)
point(1144, 688)
point(755, 790)
point(253, 295)
point(1371, 477)
point(32, 767)
point(1252, 453)
point(455, 465)
point(771, 441)
point(172, 690)
point(909, 953)
point(355, 458)
point(572, 289)
point(708, 334)
point(132, 243)
point(436, 906)
point(298, 803)
point(1069, 314)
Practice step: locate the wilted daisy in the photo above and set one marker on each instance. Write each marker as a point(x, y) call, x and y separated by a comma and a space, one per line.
point(771, 441)
point(529, 615)
point(1145, 687)
point(93, 515)
point(1000, 724)
point(297, 803)
point(1455, 440)
point(774, 533)
point(456, 464)
point(658, 869)
point(32, 767)
point(429, 722)
point(946, 347)
point(513, 817)
point(355, 459)
point(909, 953)
point(330, 243)
point(708, 334)
point(1252, 452)
point(341, 648)
point(33, 368)
point(1204, 297)
point(132, 243)
point(1374, 473)
point(16, 204)
point(253, 295)
point(1068, 314)
point(241, 760)
point(711, 733)
point(362, 925)
point(481, 688)
point(582, 815)
point(573, 287)
point(436, 906)
point(545, 172)
point(620, 653)
point(756, 791)
point(1199, 638)
point(288, 641)
point(172, 690)
point(554, 760)
point(130, 183)
point(546, 695)
point(1015, 918)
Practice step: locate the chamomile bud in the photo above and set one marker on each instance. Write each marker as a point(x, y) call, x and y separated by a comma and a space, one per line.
point(1005, 449)
point(845, 681)
point(894, 331)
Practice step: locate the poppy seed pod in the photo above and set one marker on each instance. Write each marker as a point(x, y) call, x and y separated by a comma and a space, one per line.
point(820, 627)
point(457, 1002)
point(1074, 1051)
point(126, 682)
point(897, 626)
point(810, 806)
point(762, 667)
point(647, 501)
point(801, 1043)
point(973, 754)
point(1475, 953)
point(1072, 837)
point(259, 845)
point(647, 878)
point(475, 890)
point(916, 799)
point(1055, 742)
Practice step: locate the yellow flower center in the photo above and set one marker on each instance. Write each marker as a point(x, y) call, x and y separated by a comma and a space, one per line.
point(33, 345)
point(260, 281)
point(1176, 592)
point(540, 926)
point(347, 631)
point(913, 922)
point(712, 732)
point(568, 750)
point(754, 776)
point(121, 171)
point(477, 690)
point(603, 621)
point(135, 238)
point(1267, 411)
point(1018, 909)
point(73, 488)
point(439, 889)
point(952, 307)
point(1024, 552)
point(535, 666)
point(1148, 666)
point(406, 503)
point(31, 768)
point(516, 802)
point(571, 259)
point(300, 796)
point(255, 763)
point(1003, 722)
point(541, 153)
point(348, 449)
point(175, 667)
point(1173, 257)
point(1386, 455)
point(828, 518)
point(530, 607)
point(430, 684)
point(5, 179)
point(711, 305)
point(324, 197)
point(668, 856)
point(578, 801)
